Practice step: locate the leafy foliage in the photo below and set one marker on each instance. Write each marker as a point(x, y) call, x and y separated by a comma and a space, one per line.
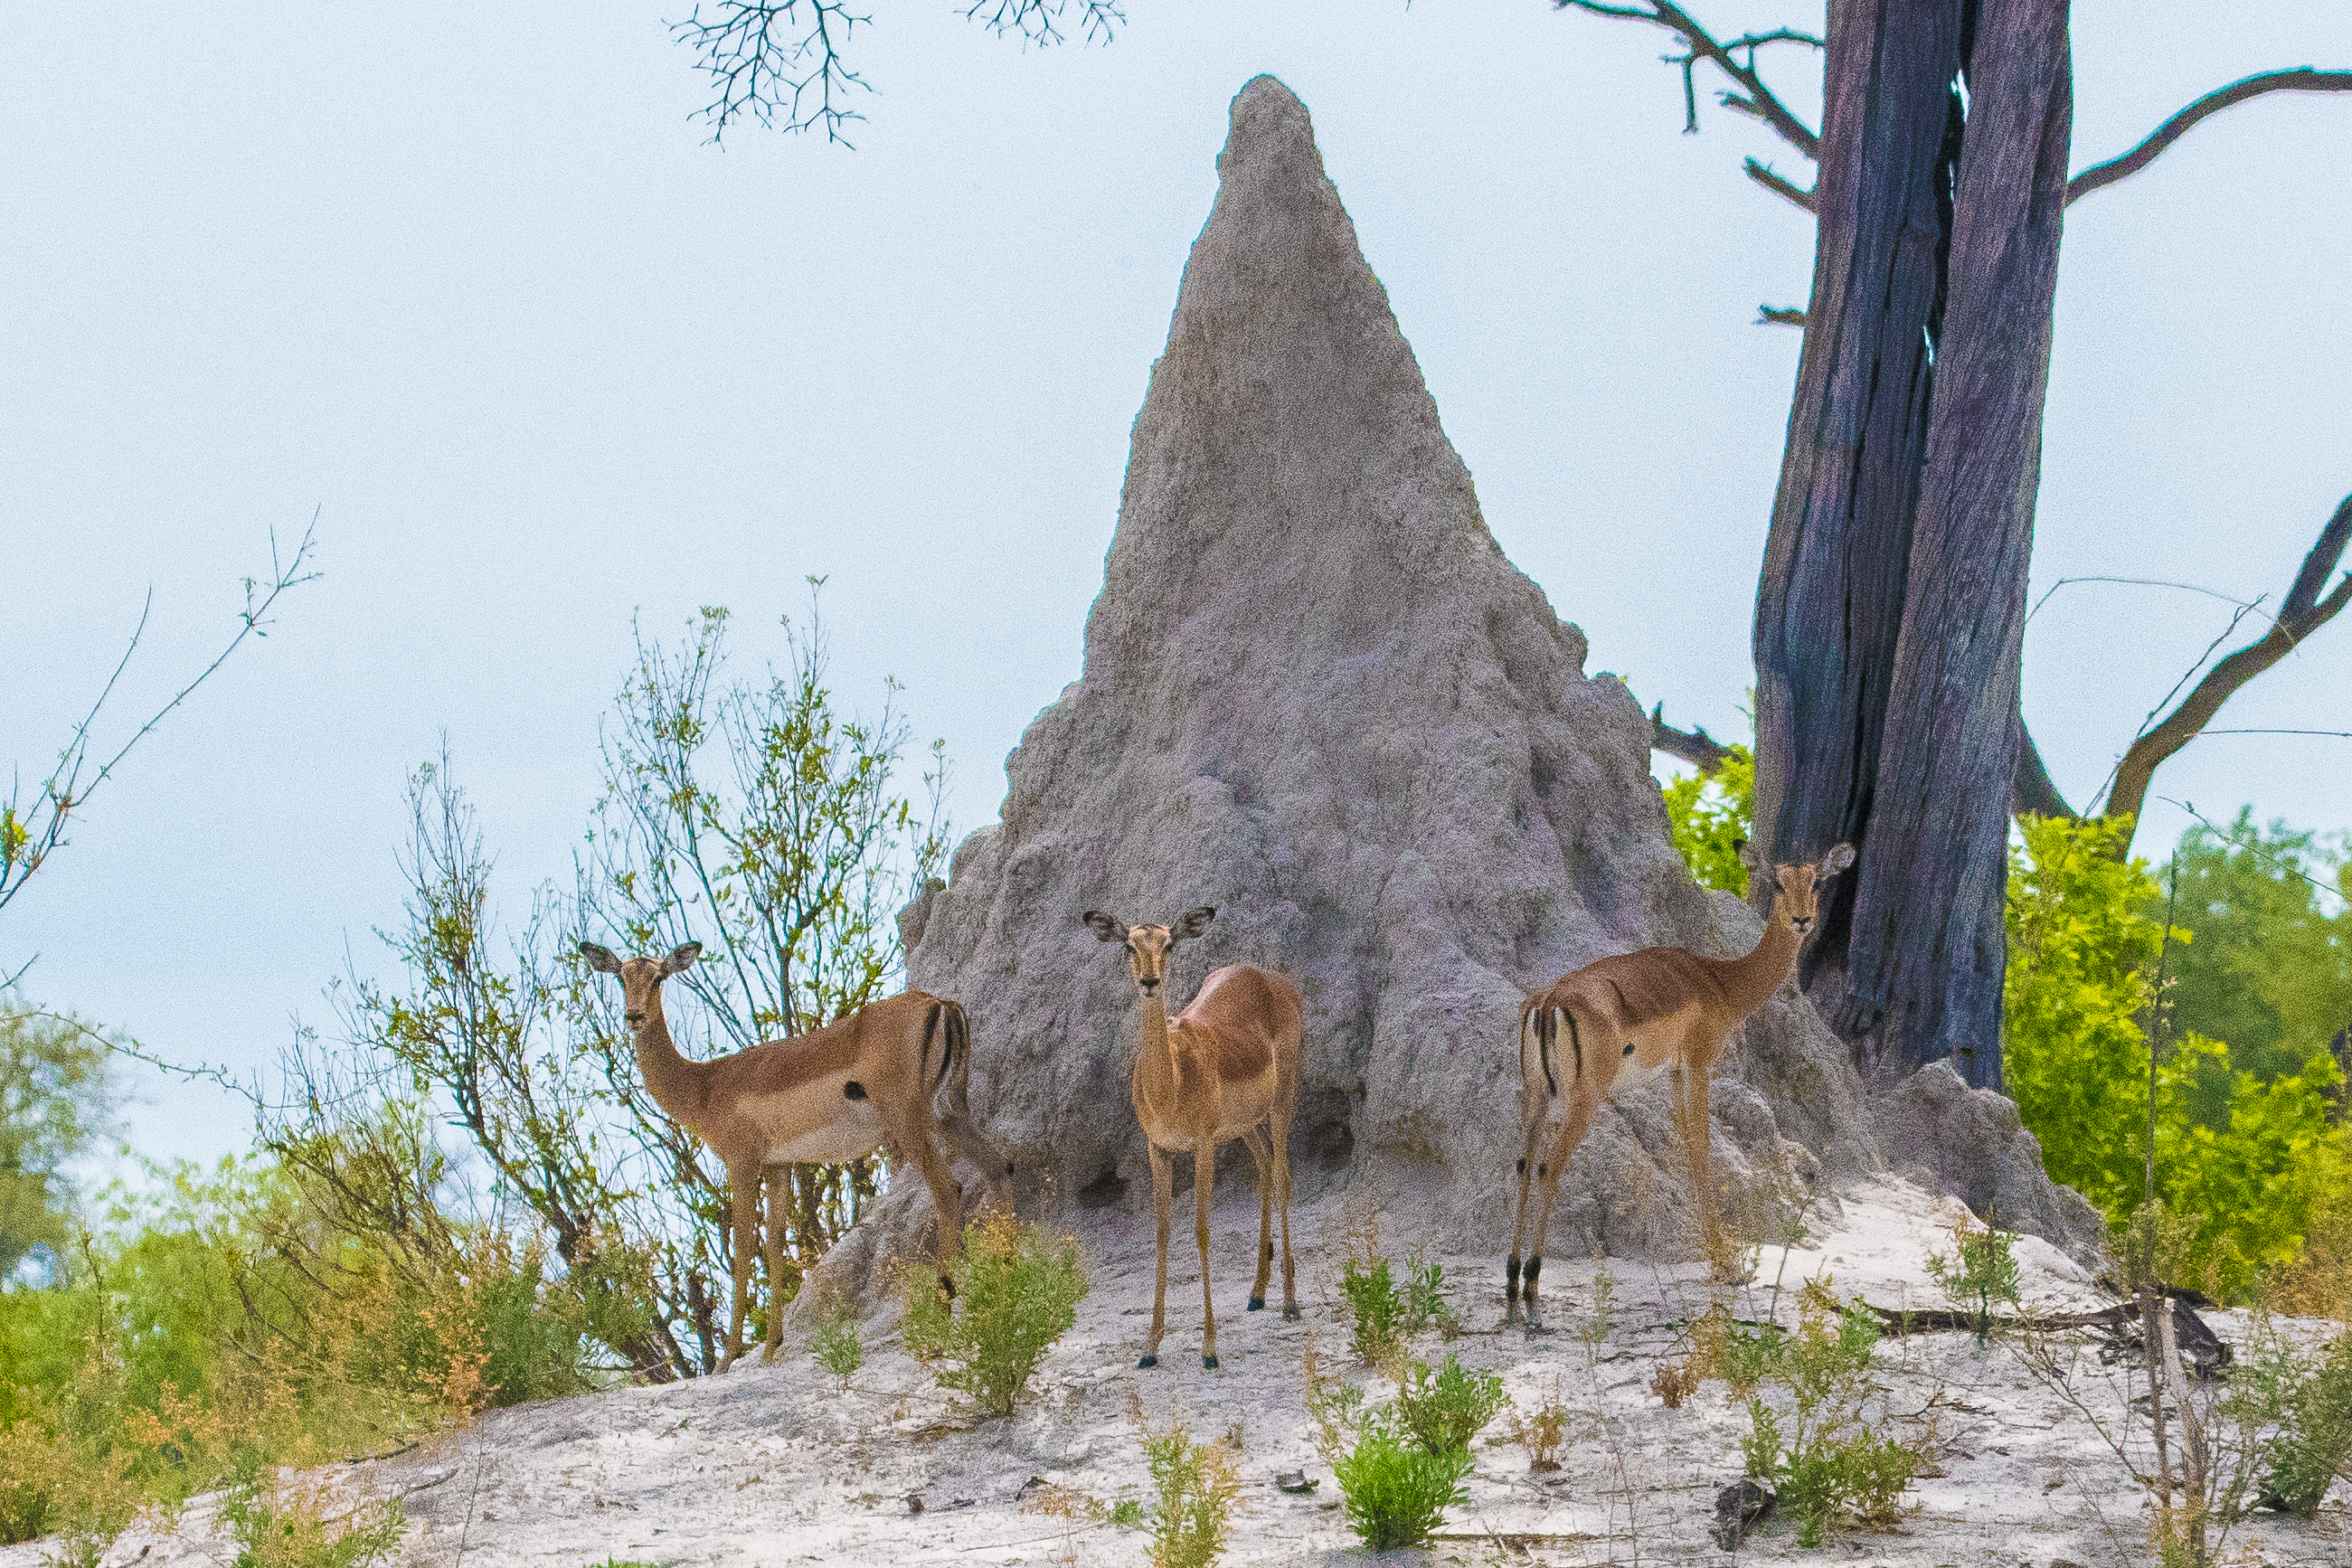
point(53, 1084)
point(1395, 1490)
point(1980, 1270)
point(1829, 1463)
point(280, 1525)
point(1446, 1408)
point(2302, 1410)
point(1194, 1488)
point(2082, 953)
point(837, 1345)
point(1017, 1290)
point(1710, 813)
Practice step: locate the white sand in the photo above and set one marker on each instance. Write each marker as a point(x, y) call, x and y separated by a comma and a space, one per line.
point(778, 1464)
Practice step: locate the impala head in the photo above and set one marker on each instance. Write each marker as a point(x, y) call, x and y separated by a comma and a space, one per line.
point(1148, 946)
point(641, 978)
point(1796, 896)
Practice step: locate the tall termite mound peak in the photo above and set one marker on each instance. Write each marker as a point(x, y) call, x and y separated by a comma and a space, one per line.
point(1316, 696)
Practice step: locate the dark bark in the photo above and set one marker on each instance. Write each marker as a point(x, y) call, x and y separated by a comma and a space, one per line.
point(1828, 607)
point(1694, 745)
point(2033, 793)
point(1890, 610)
point(1928, 946)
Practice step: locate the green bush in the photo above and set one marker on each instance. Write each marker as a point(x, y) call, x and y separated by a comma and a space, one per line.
point(1710, 813)
point(1827, 1463)
point(837, 1346)
point(1194, 1487)
point(1982, 1270)
point(1395, 1490)
point(1017, 1290)
point(2302, 1411)
point(1376, 1308)
point(1429, 1299)
point(281, 1526)
point(1444, 1409)
point(2084, 951)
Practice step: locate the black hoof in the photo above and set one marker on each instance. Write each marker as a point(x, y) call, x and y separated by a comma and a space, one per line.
point(1148, 1361)
point(1257, 1304)
point(1290, 1314)
point(1208, 1364)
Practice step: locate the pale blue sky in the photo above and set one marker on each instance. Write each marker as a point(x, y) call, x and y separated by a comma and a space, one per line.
point(471, 281)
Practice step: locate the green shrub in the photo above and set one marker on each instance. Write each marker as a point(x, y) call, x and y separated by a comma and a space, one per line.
point(1126, 1513)
point(1827, 1464)
point(1444, 1409)
point(2248, 1158)
point(837, 1345)
point(1017, 1290)
point(1395, 1490)
point(1710, 813)
point(290, 1526)
point(1981, 1271)
point(2301, 1412)
point(1429, 1299)
point(1376, 1308)
point(1194, 1488)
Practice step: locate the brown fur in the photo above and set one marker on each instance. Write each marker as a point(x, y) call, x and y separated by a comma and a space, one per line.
point(786, 1102)
point(1225, 1067)
point(1631, 1017)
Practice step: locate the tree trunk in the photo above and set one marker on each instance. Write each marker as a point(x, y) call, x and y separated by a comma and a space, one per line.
point(1890, 614)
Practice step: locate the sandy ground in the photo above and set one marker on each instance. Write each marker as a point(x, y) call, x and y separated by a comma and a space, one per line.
point(771, 1465)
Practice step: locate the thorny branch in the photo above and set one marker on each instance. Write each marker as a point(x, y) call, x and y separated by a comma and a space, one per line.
point(2301, 78)
point(1753, 97)
point(29, 833)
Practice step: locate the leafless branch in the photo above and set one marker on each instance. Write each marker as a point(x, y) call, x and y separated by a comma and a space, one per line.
point(29, 833)
point(1039, 21)
point(1788, 190)
point(2303, 612)
point(1779, 316)
point(1693, 745)
point(2301, 78)
point(769, 58)
point(1753, 97)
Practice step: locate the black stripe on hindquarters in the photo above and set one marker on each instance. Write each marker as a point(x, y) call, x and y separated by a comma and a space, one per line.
point(1576, 1038)
point(931, 1026)
point(1546, 1027)
point(959, 1042)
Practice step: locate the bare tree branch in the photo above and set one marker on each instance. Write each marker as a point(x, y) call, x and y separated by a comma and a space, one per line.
point(1788, 190)
point(782, 61)
point(1778, 316)
point(29, 833)
point(2033, 793)
point(2301, 79)
point(2305, 612)
point(1753, 97)
point(1693, 745)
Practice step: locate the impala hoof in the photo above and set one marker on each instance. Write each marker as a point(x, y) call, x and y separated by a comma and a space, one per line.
point(1290, 1313)
point(1208, 1364)
point(1257, 1304)
point(1148, 1361)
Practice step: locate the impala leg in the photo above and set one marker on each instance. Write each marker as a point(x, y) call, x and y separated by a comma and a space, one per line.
point(993, 1168)
point(946, 1198)
point(1161, 1195)
point(1698, 1141)
point(1280, 1127)
point(1547, 1172)
point(779, 1186)
point(1205, 1179)
point(1530, 1133)
point(1254, 1142)
point(743, 1204)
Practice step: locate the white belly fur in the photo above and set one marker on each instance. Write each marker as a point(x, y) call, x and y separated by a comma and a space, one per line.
point(854, 1132)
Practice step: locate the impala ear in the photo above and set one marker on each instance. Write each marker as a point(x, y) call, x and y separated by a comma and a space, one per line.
point(600, 958)
point(1838, 859)
point(1104, 927)
point(682, 957)
point(1194, 923)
